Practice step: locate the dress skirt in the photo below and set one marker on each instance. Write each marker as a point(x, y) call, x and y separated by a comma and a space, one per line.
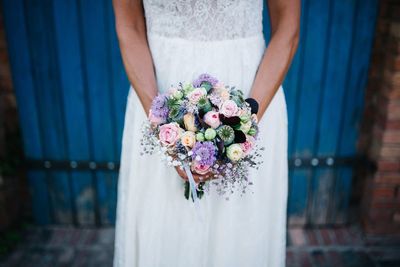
point(155, 224)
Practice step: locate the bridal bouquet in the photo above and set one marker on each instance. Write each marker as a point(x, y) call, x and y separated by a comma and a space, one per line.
point(205, 127)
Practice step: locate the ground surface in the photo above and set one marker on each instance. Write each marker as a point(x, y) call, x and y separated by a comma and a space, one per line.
point(327, 247)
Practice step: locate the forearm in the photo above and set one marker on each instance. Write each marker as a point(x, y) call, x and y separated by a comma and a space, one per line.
point(139, 67)
point(136, 55)
point(272, 69)
point(285, 28)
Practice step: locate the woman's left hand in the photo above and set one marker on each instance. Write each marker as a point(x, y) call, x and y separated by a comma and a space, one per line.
point(196, 177)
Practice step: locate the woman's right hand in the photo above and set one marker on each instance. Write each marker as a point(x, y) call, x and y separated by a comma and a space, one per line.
point(196, 177)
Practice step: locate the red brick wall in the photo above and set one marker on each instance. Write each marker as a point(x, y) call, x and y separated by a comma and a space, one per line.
point(380, 138)
point(13, 188)
point(8, 110)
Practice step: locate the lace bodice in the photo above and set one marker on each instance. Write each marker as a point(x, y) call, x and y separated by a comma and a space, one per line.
point(204, 19)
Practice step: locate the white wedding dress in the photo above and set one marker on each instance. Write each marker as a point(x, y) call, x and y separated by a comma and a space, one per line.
point(155, 224)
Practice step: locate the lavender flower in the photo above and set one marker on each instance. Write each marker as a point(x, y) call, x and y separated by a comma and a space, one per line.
point(159, 106)
point(205, 78)
point(204, 153)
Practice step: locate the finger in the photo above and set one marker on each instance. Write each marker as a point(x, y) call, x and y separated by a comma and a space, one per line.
point(199, 178)
point(181, 173)
point(206, 176)
point(184, 176)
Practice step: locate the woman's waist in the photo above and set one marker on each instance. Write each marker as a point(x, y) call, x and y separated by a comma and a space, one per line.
point(255, 39)
point(232, 61)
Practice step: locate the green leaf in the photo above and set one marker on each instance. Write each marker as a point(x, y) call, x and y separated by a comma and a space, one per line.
point(187, 190)
point(207, 86)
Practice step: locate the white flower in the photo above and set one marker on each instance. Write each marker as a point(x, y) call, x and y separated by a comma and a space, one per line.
point(234, 152)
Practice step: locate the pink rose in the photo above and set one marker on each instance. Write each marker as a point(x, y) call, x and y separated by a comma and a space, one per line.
point(199, 168)
point(248, 145)
point(155, 120)
point(169, 133)
point(212, 119)
point(196, 94)
point(229, 108)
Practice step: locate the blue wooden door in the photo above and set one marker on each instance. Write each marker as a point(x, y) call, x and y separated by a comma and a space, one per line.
point(71, 90)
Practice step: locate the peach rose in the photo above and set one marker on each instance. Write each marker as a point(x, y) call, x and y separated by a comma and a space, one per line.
point(188, 139)
point(225, 95)
point(188, 120)
point(222, 91)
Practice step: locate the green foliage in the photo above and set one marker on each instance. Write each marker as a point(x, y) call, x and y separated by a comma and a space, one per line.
point(204, 104)
point(199, 190)
point(207, 86)
point(237, 97)
point(173, 102)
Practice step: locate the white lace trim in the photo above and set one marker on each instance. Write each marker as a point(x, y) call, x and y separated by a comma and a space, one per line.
point(204, 19)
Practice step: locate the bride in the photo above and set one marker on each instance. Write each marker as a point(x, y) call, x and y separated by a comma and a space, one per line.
point(164, 42)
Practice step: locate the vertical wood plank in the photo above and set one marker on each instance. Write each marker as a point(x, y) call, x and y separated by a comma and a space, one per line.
point(120, 83)
point(297, 198)
point(46, 78)
point(73, 90)
point(21, 69)
point(97, 57)
point(360, 61)
point(354, 99)
point(120, 89)
point(336, 72)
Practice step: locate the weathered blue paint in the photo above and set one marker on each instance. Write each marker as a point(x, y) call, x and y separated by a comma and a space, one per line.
point(71, 90)
point(76, 117)
point(324, 103)
point(335, 71)
point(19, 52)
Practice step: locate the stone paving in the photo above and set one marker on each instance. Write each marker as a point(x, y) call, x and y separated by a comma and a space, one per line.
point(325, 247)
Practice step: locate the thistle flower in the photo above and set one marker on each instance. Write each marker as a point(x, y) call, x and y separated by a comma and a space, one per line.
point(204, 153)
point(176, 113)
point(205, 78)
point(159, 106)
